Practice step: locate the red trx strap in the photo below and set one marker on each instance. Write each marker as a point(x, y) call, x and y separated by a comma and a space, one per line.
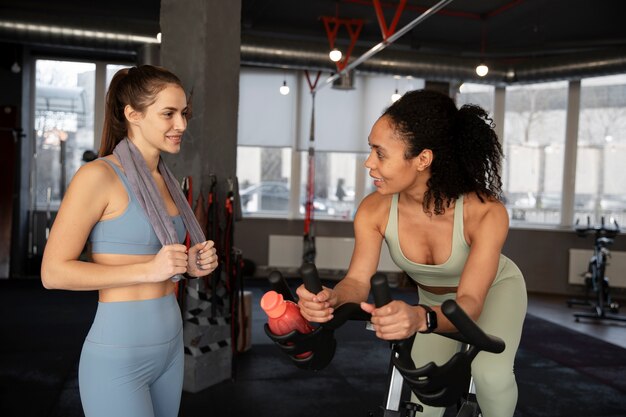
point(308, 244)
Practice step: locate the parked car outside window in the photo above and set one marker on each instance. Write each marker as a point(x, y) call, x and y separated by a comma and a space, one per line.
point(273, 196)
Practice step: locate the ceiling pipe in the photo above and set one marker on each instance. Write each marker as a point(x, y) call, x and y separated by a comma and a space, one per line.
point(290, 54)
point(283, 53)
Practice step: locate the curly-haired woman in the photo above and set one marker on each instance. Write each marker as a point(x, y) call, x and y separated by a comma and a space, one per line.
point(437, 206)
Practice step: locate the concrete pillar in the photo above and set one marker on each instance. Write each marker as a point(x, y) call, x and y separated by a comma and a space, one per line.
point(201, 43)
point(201, 40)
point(149, 53)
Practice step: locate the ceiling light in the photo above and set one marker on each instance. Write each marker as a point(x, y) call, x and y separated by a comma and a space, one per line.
point(395, 96)
point(335, 55)
point(158, 37)
point(284, 89)
point(16, 68)
point(482, 69)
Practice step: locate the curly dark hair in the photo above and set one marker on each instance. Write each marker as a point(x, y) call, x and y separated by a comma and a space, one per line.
point(467, 155)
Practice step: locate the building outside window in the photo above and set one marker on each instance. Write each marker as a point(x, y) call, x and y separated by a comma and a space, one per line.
point(534, 144)
point(63, 123)
point(479, 94)
point(600, 174)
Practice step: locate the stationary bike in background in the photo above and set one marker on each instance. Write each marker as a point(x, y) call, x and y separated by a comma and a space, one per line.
point(603, 307)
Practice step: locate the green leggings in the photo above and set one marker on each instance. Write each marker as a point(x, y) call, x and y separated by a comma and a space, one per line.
point(503, 316)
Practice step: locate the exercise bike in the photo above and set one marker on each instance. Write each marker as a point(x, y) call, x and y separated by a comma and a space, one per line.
point(596, 281)
point(439, 386)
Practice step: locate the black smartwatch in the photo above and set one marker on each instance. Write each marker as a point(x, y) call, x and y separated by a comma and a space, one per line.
point(431, 319)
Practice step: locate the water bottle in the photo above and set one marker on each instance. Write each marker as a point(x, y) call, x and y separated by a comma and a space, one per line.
point(284, 316)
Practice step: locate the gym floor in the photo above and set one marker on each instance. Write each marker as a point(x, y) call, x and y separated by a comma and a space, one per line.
point(554, 308)
point(563, 370)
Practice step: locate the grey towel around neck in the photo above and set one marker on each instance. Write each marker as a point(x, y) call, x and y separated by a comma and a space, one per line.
point(150, 199)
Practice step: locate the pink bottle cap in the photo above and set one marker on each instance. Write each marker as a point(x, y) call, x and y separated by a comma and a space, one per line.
point(273, 304)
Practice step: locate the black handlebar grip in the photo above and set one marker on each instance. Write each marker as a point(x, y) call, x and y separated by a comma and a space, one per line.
point(278, 284)
point(311, 278)
point(380, 289)
point(469, 329)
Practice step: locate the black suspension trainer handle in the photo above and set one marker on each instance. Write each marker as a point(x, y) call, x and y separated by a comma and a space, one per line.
point(311, 278)
point(380, 289)
point(278, 284)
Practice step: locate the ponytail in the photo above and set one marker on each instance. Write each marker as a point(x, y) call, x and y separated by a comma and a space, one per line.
point(479, 151)
point(114, 128)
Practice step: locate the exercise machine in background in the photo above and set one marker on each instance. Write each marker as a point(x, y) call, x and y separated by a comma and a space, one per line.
point(597, 288)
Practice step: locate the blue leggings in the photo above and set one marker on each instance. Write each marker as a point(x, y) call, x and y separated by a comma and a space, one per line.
point(132, 361)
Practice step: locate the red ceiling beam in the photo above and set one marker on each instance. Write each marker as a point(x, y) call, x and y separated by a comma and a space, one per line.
point(388, 31)
point(504, 8)
point(444, 12)
point(419, 9)
point(354, 26)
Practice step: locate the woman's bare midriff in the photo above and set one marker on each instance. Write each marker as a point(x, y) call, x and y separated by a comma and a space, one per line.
point(437, 290)
point(146, 291)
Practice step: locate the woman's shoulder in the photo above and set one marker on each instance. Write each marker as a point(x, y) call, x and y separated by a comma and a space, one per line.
point(374, 210)
point(97, 172)
point(486, 206)
point(376, 203)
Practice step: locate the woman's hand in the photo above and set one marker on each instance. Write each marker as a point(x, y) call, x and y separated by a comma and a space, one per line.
point(169, 261)
point(202, 259)
point(396, 320)
point(317, 308)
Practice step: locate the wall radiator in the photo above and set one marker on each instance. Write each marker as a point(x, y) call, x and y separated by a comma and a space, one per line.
point(616, 268)
point(333, 253)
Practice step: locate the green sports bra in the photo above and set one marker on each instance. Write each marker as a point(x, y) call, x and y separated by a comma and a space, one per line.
point(447, 274)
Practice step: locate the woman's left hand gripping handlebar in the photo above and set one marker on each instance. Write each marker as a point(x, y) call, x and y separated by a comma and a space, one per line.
point(394, 321)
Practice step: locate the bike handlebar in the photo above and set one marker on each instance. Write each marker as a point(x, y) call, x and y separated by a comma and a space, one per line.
point(601, 231)
point(311, 278)
point(380, 290)
point(468, 330)
point(348, 311)
point(278, 284)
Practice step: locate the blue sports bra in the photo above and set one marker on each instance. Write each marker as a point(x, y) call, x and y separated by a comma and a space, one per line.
point(131, 232)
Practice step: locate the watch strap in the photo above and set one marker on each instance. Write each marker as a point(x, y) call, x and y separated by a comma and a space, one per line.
point(431, 319)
